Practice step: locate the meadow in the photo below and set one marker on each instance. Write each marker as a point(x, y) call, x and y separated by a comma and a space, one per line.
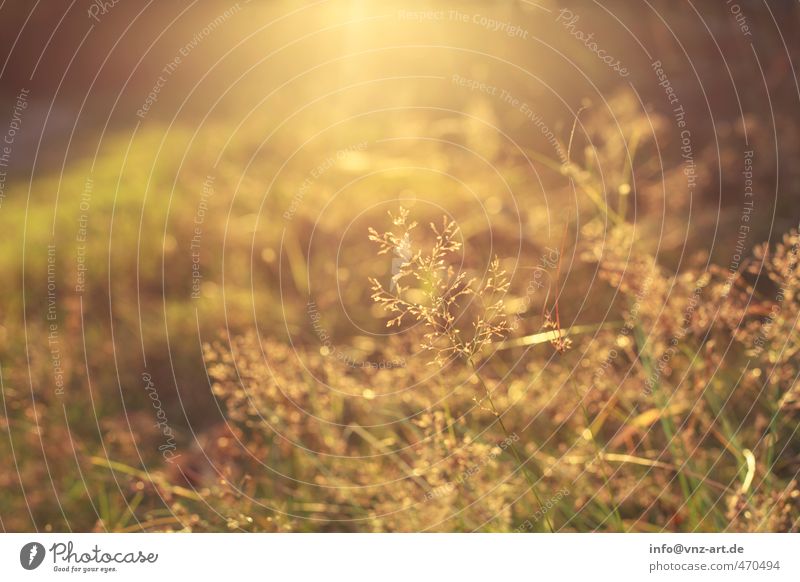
point(400, 268)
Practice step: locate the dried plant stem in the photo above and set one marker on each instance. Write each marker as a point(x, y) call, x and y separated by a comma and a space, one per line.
point(515, 452)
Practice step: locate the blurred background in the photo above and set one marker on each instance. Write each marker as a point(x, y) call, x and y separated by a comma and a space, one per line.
point(187, 190)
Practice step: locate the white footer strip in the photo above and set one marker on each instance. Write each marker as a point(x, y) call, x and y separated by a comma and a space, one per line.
point(401, 557)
